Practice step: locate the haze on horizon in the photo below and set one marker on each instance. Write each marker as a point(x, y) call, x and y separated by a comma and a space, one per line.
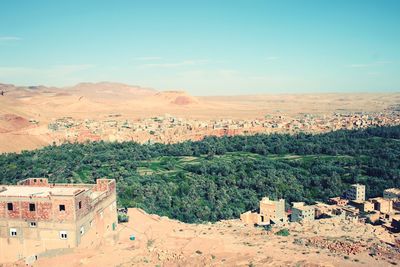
point(205, 48)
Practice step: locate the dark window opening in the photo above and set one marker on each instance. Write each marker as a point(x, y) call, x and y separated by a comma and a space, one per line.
point(62, 207)
point(80, 204)
point(34, 180)
point(10, 206)
point(32, 207)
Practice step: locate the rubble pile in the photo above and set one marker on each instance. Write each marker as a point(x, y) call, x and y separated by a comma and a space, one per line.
point(336, 246)
point(385, 251)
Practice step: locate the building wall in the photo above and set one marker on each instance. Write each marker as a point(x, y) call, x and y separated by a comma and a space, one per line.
point(93, 223)
point(356, 192)
point(34, 182)
point(33, 240)
point(250, 218)
point(273, 210)
point(100, 224)
point(364, 206)
point(303, 214)
point(383, 205)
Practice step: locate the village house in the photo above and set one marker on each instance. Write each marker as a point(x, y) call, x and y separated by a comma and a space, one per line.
point(269, 211)
point(323, 210)
point(338, 201)
point(396, 223)
point(302, 212)
point(382, 205)
point(356, 192)
point(39, 218)
point(363, 206)
point(391, 193)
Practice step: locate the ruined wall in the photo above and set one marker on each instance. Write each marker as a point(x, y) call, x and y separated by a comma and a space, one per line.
point(85, 205)
point(34, 182)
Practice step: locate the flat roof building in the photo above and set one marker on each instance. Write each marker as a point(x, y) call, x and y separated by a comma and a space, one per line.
point(38, 217)
point(302, 212)
point(356, 192)
point(364, 206)
point(270, 211)
point(273, 210)
point(382, 205)
point(392, 193)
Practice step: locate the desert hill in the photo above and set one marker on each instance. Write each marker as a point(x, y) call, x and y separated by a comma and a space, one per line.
point(179, 98)
point(26, 111)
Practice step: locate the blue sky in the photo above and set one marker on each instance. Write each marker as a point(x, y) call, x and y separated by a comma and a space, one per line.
point(204, 47)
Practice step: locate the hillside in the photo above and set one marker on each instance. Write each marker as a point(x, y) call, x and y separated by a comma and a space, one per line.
point(219, 178)
point(164, 242)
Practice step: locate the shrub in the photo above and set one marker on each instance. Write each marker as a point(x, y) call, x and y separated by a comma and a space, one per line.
point(123, 218)
point(283, 232)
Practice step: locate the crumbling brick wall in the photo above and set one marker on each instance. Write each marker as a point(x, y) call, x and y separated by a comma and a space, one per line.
point(86, 205)
point(34, 182)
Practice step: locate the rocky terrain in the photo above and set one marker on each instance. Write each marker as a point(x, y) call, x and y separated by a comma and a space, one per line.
point(164, 242)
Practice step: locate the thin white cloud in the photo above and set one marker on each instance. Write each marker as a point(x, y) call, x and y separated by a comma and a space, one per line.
point(174, 64)
point(9, 38)
point(372, 64)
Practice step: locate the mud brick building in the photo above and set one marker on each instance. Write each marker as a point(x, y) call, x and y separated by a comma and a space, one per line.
point(270, 211)
point(302, 212)
point(38, 218)
point(356, 192)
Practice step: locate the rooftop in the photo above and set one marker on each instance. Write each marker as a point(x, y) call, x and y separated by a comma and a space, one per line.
point(393, 190)
point(301, 206)
point(358, 185)
point(39, 191)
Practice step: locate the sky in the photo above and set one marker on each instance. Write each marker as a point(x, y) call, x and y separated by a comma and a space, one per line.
point(214, 47)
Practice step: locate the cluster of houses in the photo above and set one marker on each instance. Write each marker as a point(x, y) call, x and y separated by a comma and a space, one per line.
point(383, 211)
point(170, 129)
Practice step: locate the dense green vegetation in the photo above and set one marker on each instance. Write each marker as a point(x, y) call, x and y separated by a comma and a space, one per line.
point(219, 178)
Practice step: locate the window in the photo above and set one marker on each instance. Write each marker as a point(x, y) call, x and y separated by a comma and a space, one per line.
point(82, 231)
point(13, 232)
point(10, 206)
point(63, 235)
point(62, 207)
point(34, 180)
point(32, 224)
point(80, 204)
point(32, 207)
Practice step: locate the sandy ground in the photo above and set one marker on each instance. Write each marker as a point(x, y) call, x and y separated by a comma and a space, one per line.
point(164, 242)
